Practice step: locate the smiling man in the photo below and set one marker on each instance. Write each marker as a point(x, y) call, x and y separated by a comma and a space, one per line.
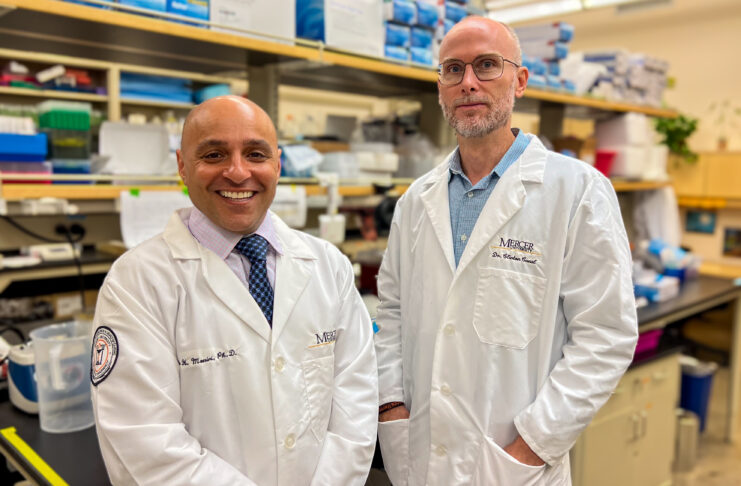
point(507, 314)
point(232, 349)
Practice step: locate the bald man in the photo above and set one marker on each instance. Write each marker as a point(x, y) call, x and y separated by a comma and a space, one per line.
point(507, 314)
point(231, 349)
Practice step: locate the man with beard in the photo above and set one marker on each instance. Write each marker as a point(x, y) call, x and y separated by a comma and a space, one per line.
point(507, 314)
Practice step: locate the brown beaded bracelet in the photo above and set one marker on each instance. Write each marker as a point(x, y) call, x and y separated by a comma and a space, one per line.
point(389, 406)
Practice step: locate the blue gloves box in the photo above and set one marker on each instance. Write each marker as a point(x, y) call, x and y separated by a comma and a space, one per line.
point(398, 35)
point(421, 55)
point(396, 52)
point(158, 5)
point(427, 14)
point(197, 9)
point(422, 37)
point(401, 11)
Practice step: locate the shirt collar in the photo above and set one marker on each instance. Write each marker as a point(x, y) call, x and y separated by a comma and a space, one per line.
point(455, 167)
point(222, 241)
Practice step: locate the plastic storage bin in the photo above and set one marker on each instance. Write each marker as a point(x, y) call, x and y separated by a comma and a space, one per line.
point(64, 115)
point(603, 161)
point(71, 166)
point(68, 144)
point(62, 354)
point(30, 168)
point(23, 148)
point(697, 382)
point(648, 341)
point(136, 149)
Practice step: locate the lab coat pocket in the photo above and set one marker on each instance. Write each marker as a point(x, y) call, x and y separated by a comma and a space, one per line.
point(319, 381)
point(393, 437)
point(497, 468)
point(507, 307)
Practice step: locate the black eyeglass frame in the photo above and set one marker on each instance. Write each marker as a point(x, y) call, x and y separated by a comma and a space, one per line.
point(465, 64)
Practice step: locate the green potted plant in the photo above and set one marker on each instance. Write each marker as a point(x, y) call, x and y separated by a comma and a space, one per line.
point(676, 131)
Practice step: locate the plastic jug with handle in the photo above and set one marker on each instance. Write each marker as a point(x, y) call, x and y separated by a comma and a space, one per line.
point(62, 376)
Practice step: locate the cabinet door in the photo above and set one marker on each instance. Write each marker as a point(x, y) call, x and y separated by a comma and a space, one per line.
point(658, 423)
point(608, 452)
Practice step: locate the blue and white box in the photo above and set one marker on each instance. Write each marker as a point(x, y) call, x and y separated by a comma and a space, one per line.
point(196, 9)
point(157, 5)
point(351, 25)
point(427, 14)
point(448, 24)
point(398, 53)
point(401, 11)
point(421, 55)
point(398, 35)
point(422, 37)
point(455, 12)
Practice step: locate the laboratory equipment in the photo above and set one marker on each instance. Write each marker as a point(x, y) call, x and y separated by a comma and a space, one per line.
point(62, 356)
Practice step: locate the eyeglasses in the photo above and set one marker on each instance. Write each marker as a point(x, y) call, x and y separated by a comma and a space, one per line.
point(486, 68)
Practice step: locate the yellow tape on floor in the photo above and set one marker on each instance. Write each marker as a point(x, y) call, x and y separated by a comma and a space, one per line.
point(30, 455)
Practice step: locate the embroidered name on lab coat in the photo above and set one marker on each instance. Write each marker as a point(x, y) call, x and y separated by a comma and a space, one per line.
point(515, 250)
point(199, 359)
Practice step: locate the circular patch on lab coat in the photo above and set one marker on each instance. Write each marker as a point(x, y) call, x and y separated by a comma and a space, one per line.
point(104, 354)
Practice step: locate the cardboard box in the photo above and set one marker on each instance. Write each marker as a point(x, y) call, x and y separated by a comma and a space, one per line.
point(274, 18)
point(350, 25)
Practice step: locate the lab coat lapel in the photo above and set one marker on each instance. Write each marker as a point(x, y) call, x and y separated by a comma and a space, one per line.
point(435, 200)
point(293, 272)
point(225, 285)
point(233, 293)
point(505, 201)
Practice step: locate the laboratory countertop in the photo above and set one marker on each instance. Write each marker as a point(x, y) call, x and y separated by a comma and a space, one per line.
point(703, 292)
point(74, 456)
point(89, 256)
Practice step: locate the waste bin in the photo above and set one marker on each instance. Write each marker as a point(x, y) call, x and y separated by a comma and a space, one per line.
point(697, 381)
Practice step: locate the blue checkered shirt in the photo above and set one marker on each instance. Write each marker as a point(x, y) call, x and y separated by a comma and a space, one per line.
point(466, 200)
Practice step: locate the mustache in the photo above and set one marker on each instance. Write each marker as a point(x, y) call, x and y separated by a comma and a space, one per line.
point(468, 100)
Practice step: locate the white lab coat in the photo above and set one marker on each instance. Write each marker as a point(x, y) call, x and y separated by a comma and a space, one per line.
point(291, 406)
point(529, 334)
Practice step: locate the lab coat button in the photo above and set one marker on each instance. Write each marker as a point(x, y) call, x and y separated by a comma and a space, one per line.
point(445, 390)
point(280, 363)
point(441, 450)
point(449, 330)
point(290, 441)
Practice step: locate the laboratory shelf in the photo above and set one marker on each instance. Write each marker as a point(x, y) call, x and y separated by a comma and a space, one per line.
point(347, 188)
point(54, 94)
point(18, 192)
point(123, 37)
point(708, 202)
point(629, 186)
point(157, 104)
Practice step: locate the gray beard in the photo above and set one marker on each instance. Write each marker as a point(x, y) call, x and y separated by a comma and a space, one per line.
point(498, 115)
